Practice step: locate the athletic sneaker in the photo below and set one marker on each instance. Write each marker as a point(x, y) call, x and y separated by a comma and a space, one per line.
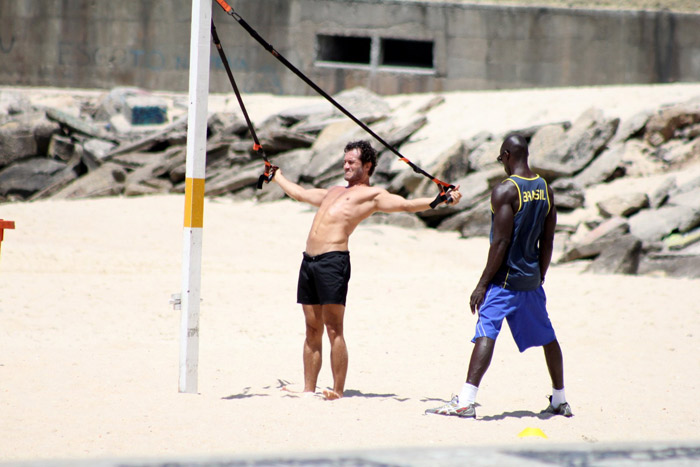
point(563, 409)
point(453, 408)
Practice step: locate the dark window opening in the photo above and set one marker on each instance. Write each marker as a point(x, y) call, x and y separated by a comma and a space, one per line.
point(344, 49)
point(407, 53)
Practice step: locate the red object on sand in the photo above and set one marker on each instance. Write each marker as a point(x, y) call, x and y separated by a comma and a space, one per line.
point(5, 225)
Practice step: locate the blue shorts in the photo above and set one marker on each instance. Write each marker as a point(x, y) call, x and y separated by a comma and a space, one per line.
point(525, 311)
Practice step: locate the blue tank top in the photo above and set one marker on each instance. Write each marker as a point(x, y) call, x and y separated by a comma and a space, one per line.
point(521, 266)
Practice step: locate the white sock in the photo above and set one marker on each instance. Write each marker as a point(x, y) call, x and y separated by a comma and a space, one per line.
point(558, 397)
point(468, 395)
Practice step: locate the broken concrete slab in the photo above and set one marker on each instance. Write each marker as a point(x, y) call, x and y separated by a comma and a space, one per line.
point(623, 204)
point(621, 256)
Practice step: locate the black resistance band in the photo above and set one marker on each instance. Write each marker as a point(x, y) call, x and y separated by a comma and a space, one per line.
point(444, 187)
point(269, 168)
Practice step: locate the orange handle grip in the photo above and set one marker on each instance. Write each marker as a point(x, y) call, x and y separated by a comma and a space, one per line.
point(227, 8)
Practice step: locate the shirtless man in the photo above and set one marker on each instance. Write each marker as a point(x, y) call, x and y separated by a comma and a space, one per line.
point(325, 268)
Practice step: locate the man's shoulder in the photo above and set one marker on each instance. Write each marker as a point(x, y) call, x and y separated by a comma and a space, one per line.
point(505, 186)
point(505, 192)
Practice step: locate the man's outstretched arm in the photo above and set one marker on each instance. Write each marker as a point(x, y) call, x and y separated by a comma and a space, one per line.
point(387, 202)
point(313, 196)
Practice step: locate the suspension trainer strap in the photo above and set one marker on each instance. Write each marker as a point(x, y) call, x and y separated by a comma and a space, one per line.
point(269, 172)
point(444, 187)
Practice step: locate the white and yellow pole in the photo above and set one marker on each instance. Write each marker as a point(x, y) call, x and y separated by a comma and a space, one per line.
point(194, 194)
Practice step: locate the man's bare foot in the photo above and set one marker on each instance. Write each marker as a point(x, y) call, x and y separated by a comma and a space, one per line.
point(331, 395)
point(296, 393)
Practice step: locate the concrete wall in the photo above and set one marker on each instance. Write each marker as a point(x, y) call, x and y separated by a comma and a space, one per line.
point(145, 43)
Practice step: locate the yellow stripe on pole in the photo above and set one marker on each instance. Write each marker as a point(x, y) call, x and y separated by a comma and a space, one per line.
point(194, 202)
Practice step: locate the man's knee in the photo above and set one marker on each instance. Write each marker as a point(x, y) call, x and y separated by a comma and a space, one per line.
point(335, 329)
point(314, 331)
point(552, 346)
point(484, 343)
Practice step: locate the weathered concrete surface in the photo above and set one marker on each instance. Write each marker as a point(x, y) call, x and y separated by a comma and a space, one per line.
point(534, 455)
point(145, 43)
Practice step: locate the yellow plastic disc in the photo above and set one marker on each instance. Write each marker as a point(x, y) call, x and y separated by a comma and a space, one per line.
point(530, 431)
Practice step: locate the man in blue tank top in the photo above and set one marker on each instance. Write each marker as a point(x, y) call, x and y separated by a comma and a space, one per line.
point(522, 238)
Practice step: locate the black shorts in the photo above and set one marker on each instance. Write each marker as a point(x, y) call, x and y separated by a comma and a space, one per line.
point(323, 279)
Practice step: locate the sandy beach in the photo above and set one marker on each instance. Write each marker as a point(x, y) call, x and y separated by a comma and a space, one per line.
point(89, 343)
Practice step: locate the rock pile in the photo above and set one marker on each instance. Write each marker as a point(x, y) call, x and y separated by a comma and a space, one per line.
point(628, 192)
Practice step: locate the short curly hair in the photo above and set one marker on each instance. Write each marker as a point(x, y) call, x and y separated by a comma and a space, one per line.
point(367, 152)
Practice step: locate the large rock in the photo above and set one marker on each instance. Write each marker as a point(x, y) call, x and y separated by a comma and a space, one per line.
point(640, 160)
point(26, 135)
point(365, 105)
point(690, 199)
point(226, 124)
point(568, 194)
point(107, 180)
point(546, 140)
point(146, 188)
point(631, 127)
point(568, 154)
point(298, 114)
point(662, 192)
point(397, 132)
point(621, 256)
point(95, 152)
point(172, 134)
point(662, 126)
point(61, 148)
point(687, 186)
point(606, 167)
point(29, 176)
point(452, 165)
point(530, 131)
point(676, 153)
point(281, 140)
point(81, 126)
point(459, 160)
point(473, 222)
point(44, 129)
point(230, 181)
point(594, 242)
point(623, 204)
point(407, 182)
point(292, 164)
point(16, 142)
point(394, 133)
point(652, 225)
point(328, 149)
point(670, 264)
point(143, 177)
point(477, 221)
point(484, 153)
point(362, 102)
point(474, 188)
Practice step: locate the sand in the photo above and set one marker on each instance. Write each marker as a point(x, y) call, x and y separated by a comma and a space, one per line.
point(89, 343)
